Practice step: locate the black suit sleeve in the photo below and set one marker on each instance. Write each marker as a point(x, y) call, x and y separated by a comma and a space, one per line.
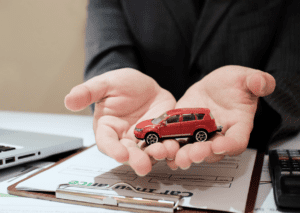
point(284, 65)
point(109, 44)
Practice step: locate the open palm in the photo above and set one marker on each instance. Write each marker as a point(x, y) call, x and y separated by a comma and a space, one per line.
point(232, 94)
point(122, 99)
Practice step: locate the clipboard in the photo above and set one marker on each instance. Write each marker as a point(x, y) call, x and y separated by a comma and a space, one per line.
point(251, 198)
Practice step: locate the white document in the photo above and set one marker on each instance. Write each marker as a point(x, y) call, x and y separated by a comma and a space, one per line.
point(219, 186)
point(15, 204)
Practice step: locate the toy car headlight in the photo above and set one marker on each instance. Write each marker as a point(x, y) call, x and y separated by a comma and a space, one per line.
point(138, 130)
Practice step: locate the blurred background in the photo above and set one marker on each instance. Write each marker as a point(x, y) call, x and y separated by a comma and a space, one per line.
point(41, 53)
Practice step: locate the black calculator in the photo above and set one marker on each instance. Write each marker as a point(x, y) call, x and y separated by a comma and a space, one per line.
point(284, 166)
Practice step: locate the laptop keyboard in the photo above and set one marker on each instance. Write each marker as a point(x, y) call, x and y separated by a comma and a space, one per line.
point(6, 148)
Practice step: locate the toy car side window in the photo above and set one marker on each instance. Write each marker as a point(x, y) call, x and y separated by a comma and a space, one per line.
point(173, 119)
point(188, 117)
point(200, 116)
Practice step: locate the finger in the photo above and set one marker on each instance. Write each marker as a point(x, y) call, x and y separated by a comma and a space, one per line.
point(87, 93)
point(214, 158)
point(172, 147)
point(139, 161)
point(261, 83)
point(108, 142)
point(235, 140)
point(172, 164)
point(199, 151)
point(108, 133)
point(157, 151)
point(182, 157)
point(202, 151)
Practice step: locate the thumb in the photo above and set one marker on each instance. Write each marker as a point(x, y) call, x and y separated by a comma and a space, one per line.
point(261, 83)
point(85, 94)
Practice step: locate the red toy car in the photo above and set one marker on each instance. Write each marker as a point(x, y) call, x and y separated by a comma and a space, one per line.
point(176, 123)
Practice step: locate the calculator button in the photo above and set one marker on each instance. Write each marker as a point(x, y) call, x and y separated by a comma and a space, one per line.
point(293, 150)
point(283, 158)
point(285, 172)
point(283, 154)
point(285, 169)
point(296, 157)
point(281, 151)
point(296, 173)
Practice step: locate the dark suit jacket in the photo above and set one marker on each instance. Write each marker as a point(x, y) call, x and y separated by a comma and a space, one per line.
point(167, 40)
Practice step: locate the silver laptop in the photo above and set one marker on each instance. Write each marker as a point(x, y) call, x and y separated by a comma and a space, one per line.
point(17, 147)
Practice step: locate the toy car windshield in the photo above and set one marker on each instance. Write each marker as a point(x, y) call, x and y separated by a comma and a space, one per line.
point(159, 119)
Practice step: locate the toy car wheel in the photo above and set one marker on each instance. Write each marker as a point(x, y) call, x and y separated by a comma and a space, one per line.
point(200, 135)
point(151, 138)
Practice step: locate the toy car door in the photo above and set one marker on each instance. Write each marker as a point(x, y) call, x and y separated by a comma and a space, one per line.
point(188, 124)
point(170, 127)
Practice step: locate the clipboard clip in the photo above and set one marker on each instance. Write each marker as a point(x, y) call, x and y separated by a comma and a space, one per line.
point(119, 198)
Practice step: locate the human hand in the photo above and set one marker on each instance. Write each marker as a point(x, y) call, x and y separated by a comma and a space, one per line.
point(122, 99)
point(231, 93)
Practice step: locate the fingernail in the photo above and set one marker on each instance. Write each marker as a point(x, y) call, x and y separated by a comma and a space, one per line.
point(140, 174)
point(170, 159)
point(199, 161)
point(185, 167)
point(219, 153)
point(174, 169)
point(263, 84)
point(159, 159)
point(126, 163)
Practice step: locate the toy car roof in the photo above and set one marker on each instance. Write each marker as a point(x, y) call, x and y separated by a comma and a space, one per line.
point(187, 111)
